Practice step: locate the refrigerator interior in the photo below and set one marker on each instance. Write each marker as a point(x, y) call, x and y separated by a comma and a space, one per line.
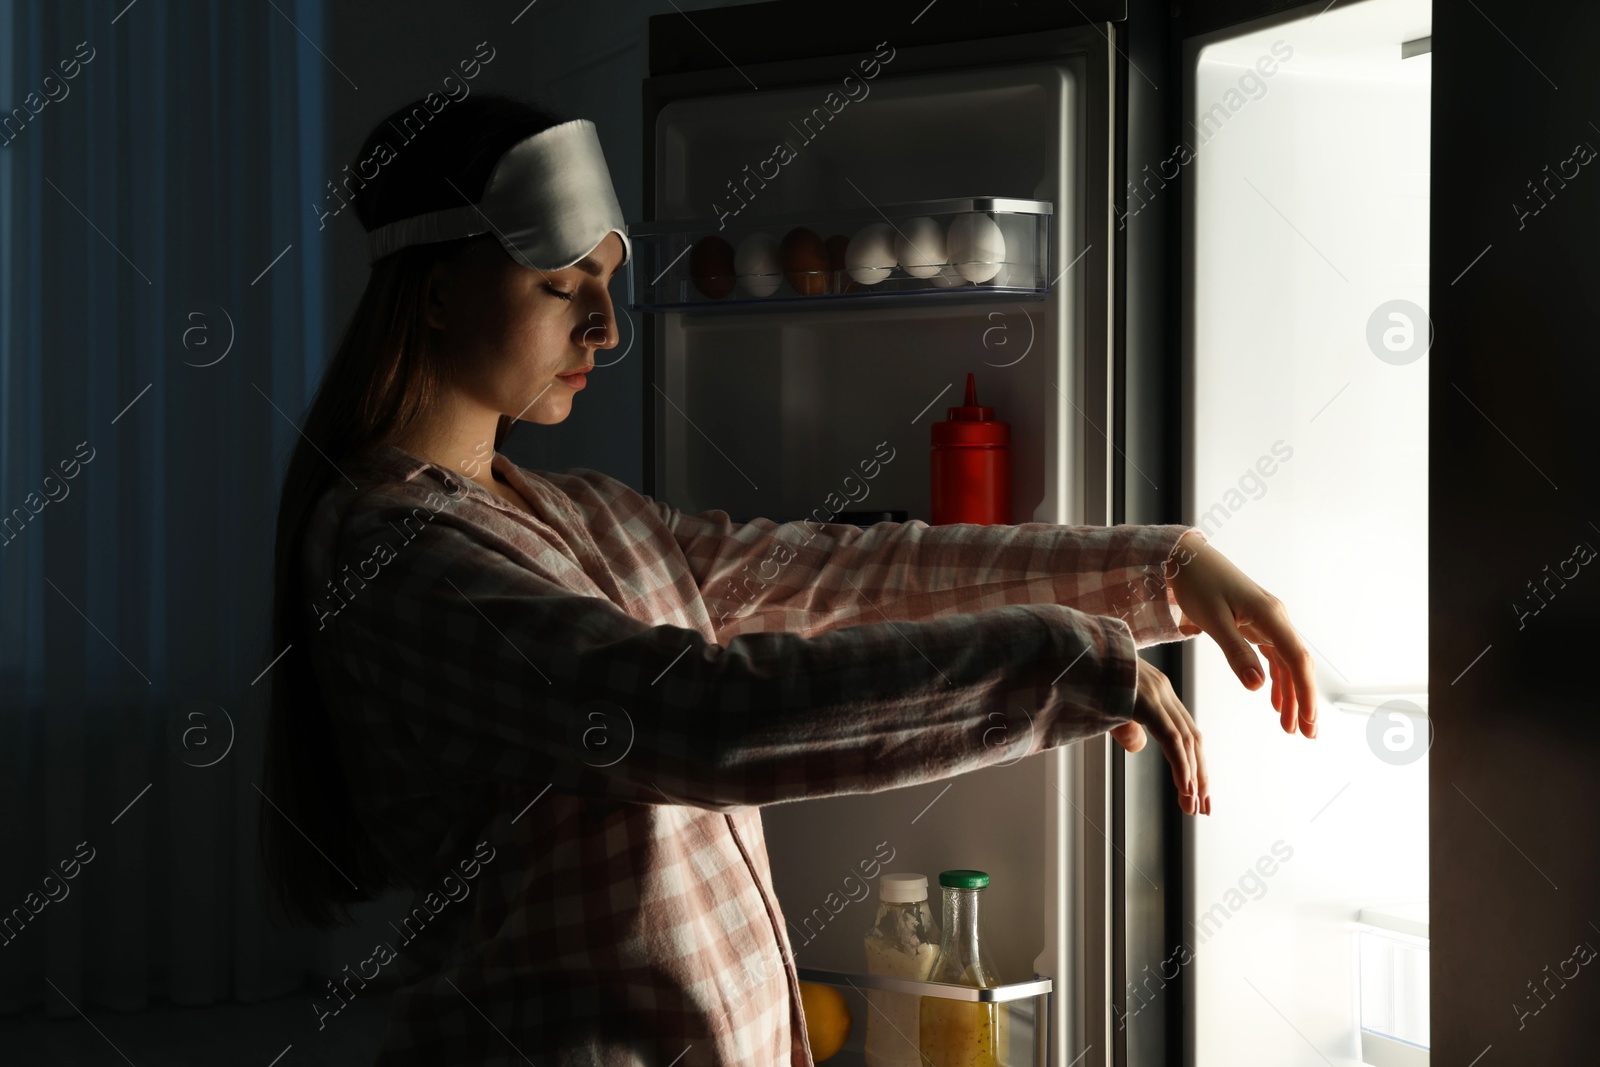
point(1309, 469)
point(765, 412)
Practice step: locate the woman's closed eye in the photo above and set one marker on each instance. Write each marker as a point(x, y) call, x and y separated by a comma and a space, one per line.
point(553, 291)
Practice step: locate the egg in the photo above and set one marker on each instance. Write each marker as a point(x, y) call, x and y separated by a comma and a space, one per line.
point(805, 261)
point(977, 247)
point(919, 247)
point(870, 256)
point(837, 281)
point(948, 277)
point(711, 266)
point(756, 264)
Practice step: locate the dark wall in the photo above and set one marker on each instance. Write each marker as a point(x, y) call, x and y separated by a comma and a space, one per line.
point(1515, 816)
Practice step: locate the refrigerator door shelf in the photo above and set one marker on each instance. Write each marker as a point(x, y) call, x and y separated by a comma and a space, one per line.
point(1392, 987)
point(1000, 994)
point(1026, 1011)
point(1409, 918)
point(1379, 1050)
point(953, 248)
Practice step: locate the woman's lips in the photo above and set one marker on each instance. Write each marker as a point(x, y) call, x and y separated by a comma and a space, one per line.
point(576, 379)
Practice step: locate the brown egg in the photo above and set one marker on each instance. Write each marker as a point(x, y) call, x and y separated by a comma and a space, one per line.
point(711, 266)
point(805, 261)
point(838, 280)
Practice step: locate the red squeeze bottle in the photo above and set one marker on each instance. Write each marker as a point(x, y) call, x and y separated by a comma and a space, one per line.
point(971, 465)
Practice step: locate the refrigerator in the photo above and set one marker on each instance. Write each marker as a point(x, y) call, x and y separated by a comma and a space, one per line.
point(1191, 255)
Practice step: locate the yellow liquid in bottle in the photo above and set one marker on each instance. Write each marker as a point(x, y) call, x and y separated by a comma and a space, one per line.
point(962, 1033)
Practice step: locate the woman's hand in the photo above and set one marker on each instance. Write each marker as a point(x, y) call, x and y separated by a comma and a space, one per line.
point(1217, 598)
point(1158, 711)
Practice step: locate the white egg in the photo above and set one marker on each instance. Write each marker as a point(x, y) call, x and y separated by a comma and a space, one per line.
point(755, 264)
point(919, 246)
point(977, 247)
point(869, 257)
point(948, 278)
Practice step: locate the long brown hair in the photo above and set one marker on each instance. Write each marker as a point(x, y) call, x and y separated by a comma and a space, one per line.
point(383, 375)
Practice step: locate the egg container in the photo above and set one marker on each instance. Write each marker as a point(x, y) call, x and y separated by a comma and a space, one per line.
point(923, 250)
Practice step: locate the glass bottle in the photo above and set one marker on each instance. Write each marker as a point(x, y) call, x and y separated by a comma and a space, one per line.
point(961, 1033)
point(902, 943)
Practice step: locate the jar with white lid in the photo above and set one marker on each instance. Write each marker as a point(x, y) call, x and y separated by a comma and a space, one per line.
point(902, 943)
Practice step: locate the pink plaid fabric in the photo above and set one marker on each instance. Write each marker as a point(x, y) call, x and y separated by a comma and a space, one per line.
point(605, 693)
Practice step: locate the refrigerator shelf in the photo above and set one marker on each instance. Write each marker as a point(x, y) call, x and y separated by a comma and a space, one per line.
point(1024, 1007)
point(1033, 987)
point(959, 248)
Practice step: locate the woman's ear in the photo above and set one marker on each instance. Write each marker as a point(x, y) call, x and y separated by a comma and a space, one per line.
point(433, 300)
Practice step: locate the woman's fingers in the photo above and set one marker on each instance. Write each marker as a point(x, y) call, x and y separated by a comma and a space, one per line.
point(1296, 665)
point(1150, 711)
point(1163, 716)
point(1177, 754)
point(1241, 654)
point(1303, 670)
point(1223, 602)
point(1283, 695)
point(1279, 677)
point(1202, 779)
point(1189, 738)
point(1217, 618)
point(1186, 772)
point(1305, 681)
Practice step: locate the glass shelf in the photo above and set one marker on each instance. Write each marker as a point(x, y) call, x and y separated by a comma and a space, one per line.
point(1367, 703)
point(922, 251)
point(1026, 1006)
point(1392, 951)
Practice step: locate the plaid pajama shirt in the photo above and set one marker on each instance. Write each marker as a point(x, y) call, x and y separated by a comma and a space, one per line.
point(604, 694)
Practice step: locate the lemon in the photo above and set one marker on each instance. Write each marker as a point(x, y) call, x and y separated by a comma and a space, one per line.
point(827, 1019)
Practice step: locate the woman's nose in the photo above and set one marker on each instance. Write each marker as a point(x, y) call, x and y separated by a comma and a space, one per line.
point(599, 329)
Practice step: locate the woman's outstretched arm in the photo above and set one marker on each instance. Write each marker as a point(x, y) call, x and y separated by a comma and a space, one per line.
point(487, 667)
point(809, 577)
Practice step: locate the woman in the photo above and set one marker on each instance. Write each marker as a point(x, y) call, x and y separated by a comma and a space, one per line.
point(506, 692)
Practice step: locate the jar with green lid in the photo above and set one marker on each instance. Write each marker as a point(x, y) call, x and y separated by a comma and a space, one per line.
point(962, 1033)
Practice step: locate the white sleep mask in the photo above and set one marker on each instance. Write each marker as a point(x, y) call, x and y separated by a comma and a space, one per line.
point(549, 201)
